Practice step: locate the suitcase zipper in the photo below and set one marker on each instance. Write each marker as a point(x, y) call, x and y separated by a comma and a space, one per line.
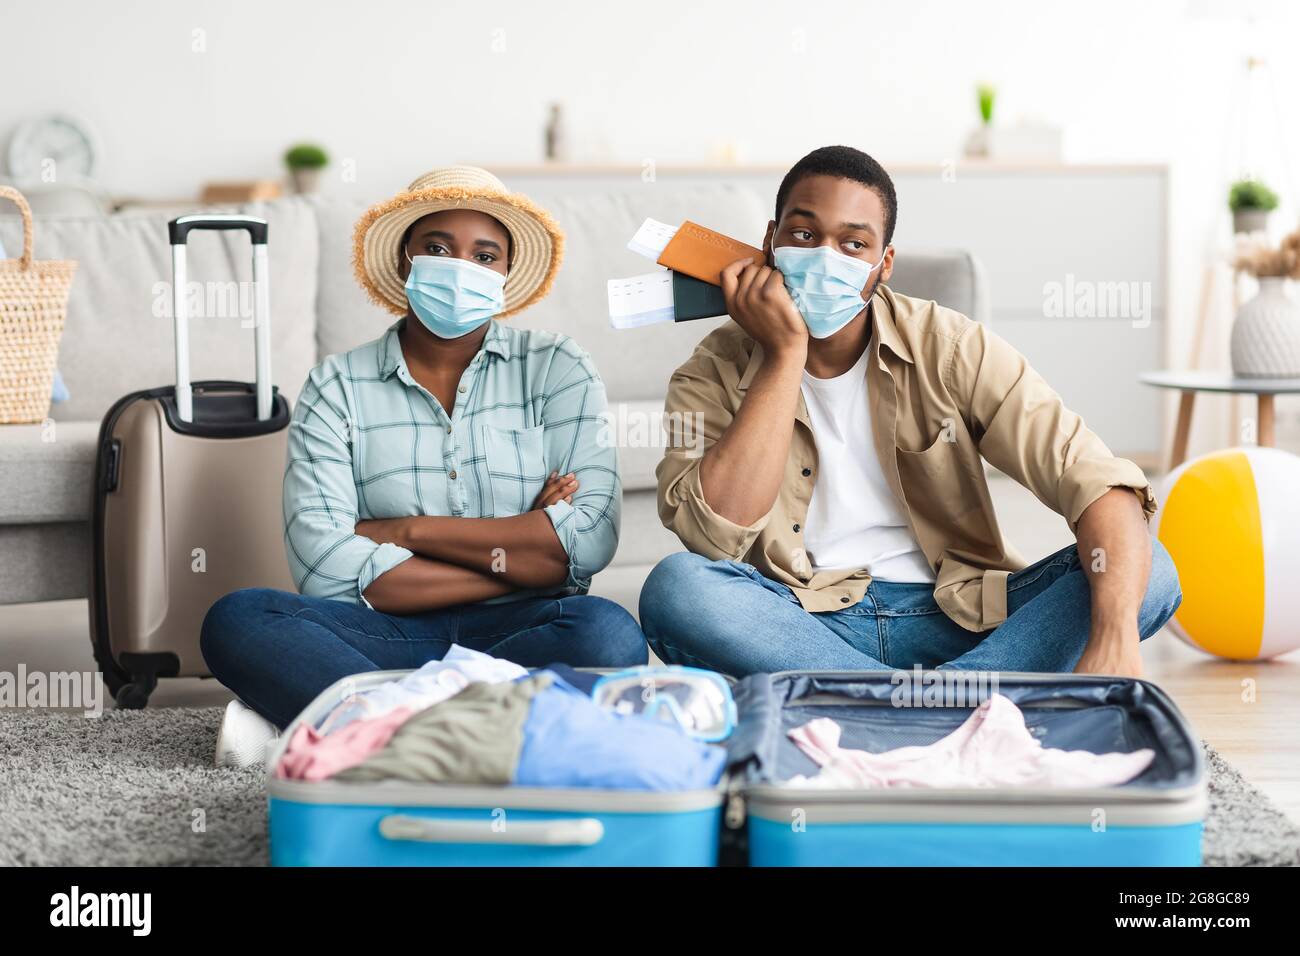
point(857, 702)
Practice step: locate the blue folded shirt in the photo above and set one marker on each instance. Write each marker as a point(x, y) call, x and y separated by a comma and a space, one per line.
point(570, 741)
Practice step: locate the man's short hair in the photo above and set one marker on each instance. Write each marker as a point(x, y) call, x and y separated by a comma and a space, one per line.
point(844, 162)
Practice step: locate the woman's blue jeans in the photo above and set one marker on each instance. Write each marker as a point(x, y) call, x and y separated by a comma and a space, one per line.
point(277, 650)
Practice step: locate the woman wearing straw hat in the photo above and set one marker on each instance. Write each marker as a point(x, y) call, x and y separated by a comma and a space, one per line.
point(445, 482)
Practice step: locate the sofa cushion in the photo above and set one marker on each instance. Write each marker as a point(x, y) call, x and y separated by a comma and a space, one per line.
point(46, 471)
point(952, 277)
point(636, 430)
point(118, 337)
point(345, 317)
point(643, 539)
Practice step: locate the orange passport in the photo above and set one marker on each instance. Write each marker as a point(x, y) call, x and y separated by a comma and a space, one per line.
point(701, 253)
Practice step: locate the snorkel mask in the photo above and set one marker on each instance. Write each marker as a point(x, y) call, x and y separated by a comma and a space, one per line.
point(697, 701)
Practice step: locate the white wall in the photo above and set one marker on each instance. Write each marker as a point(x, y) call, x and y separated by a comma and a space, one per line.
point(399, 85)
point(396, 86)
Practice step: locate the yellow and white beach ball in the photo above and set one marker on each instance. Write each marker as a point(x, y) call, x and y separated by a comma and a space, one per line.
point(1231, 522)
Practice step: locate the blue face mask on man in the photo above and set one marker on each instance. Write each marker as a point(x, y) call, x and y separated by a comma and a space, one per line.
point(453, 297)
point(825, 284)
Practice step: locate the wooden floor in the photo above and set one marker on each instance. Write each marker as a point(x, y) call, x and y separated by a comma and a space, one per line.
point(1249, 711)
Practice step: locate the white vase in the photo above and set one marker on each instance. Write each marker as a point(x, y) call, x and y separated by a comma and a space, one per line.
point(305, 181)
point(1266, 335)
point(977, 143)
point(1250, 221)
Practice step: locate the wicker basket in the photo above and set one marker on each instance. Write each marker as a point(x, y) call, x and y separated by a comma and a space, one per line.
point(33, 303)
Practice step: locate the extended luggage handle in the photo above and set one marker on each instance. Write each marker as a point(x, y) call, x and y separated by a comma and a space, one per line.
point(576, 831)
point(178, 231)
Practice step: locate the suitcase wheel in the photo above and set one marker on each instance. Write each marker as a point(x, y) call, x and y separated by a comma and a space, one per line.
point(135, 694)
point(142, 672)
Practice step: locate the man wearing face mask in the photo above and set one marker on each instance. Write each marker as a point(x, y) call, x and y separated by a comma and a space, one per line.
point(446, 483)
point(839, 517)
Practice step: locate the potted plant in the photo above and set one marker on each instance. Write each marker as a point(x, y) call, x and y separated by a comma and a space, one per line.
point(1251, 202)
point(1266, 335)
point(305, 161)
point(977, 144)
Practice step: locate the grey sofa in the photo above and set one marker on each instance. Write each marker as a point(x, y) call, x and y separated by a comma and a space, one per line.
point(118, 338)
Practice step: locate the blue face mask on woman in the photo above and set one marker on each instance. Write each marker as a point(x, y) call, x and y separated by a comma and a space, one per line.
point(453, 297)
point(826, 285)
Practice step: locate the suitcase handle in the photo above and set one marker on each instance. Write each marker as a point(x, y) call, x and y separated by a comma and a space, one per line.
point(580, 831)
point(178, 231)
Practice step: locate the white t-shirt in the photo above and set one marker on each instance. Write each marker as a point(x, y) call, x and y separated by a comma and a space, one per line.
point(854, 521)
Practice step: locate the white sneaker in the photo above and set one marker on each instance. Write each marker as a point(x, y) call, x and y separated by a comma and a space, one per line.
point(244, 737)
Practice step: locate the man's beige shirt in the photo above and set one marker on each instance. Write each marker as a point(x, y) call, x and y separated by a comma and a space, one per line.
point(943, 391)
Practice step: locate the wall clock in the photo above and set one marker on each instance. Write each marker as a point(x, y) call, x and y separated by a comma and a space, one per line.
point(57, 138)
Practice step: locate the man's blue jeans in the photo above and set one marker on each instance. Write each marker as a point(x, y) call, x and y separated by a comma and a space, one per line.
point(277, 650)
point(726, 616)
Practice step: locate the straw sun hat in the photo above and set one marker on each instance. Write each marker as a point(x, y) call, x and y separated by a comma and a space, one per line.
point(536, 241)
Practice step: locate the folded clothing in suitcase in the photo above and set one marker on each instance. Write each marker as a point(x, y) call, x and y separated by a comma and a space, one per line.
point(1152, 820)
point(598, 791)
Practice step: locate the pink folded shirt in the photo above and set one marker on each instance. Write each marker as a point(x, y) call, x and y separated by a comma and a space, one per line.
point(993, 748)
point(312, 755)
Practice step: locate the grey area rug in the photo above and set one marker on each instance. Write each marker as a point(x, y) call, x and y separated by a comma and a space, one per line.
point(138, 788)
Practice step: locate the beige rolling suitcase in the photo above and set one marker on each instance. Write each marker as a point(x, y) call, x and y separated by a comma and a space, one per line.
point(187, 498)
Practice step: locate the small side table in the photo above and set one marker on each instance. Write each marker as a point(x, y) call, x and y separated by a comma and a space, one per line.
point(1189, 383)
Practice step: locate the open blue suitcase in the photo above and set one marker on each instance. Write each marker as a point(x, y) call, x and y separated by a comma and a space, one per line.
point(1154, 820)
point(394, 823)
